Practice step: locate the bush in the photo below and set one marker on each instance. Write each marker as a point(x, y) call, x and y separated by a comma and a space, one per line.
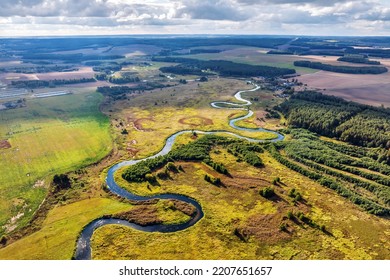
point(301, 216)
point(295, 195)
point(163, 175)
point(172, 167)
point(290, 215)
point(212, 180)
point(4, 240)
point(283, 227)
point(61, 182)
point(276, 181)
point(267, 192)
point(150, 178)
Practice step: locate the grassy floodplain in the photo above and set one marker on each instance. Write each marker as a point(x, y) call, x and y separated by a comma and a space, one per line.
point(49, 136)
point(160, 113)
point(241, 224)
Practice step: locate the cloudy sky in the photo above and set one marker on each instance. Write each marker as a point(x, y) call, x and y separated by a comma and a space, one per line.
point(91, 17)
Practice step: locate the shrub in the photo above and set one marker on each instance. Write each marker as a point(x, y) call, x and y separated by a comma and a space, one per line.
point(267, 192)
point(150, 178)
point(276, 181)
point(301, 216)
point(4, 240)
point(61, 181)
point(283, 227)
point(163, 175)
point(212, 180)
point(172, 167)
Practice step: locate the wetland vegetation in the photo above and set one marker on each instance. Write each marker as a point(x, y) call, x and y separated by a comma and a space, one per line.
point(321, 193)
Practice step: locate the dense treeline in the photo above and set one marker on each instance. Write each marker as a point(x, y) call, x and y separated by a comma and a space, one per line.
point(384, 53)
point(107, 68)
point(45, 45)
point(340, 68)
point(315, 154)
point(39, 69)
point(123, 80)
point(328, 182)
point(182, 70)
point(368, 158)
point(330, 116)
point(198, 150)
point(191, 51)
point(225, 68)
point(121, 90)
point(69, 58)
point(32, 84)
point(280, 52)
point(358, 59)
point(247, 152)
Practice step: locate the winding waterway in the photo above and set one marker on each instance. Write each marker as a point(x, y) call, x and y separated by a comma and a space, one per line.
point(83, 246)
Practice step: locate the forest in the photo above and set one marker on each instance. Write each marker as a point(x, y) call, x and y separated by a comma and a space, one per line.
point(355, 123)
point(224, 68)
point(358, 59)
point(199, 150)
point(32, 84)
point(340, 68)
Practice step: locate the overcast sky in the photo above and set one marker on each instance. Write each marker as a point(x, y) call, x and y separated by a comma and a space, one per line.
point(294, 17)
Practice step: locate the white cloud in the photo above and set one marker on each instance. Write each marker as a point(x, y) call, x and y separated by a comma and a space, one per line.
point(190, 16)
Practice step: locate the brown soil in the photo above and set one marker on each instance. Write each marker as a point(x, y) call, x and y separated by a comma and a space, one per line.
point(132, 151)
point(203, 120)
point(147, 214)
point(366, 89)
point(142, 215)
point(83, 72)
point(184, 207)
point(4, 144)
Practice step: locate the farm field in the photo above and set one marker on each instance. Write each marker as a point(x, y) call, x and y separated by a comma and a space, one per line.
point(256, 56)
point(367, 89)
point(49, 136)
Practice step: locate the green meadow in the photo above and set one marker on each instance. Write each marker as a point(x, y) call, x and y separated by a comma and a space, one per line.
point(48, 136)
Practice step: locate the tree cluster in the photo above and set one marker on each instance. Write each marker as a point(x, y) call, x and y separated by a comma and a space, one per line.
point(341, 68)
point(330, 116)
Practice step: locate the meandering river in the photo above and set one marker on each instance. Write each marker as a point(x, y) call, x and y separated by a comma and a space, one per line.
point(83, 246)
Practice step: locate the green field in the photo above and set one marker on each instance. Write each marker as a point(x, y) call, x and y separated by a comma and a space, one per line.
point(49, 136)
point(254, 56)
